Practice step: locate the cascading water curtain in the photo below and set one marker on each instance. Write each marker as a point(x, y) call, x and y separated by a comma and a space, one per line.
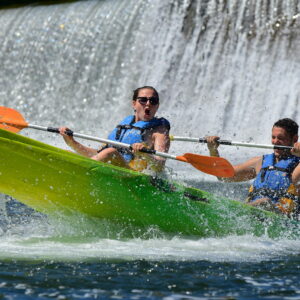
point(222, 67)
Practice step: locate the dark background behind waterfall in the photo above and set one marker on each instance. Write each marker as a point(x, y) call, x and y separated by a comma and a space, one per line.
point(230, 68)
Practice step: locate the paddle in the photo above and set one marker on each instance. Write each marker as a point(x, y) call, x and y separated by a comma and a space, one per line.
point(12, 120)
point(229, 143)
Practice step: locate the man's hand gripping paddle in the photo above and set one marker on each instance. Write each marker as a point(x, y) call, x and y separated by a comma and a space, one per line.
point(230, 143)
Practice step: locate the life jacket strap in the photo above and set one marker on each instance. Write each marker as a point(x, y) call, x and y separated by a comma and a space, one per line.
point(272, 168)
point(126, 127)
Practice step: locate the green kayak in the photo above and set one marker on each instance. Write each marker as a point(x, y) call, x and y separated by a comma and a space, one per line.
point(60, 183)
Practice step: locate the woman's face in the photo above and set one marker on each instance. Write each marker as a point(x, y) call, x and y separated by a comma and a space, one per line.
point(145, 111)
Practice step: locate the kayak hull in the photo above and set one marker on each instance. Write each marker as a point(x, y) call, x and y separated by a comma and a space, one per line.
point(59, 183)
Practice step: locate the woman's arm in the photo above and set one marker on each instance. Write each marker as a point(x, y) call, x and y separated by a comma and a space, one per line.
point(79, 148)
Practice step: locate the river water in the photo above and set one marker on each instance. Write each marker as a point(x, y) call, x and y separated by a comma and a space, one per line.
point(222, 67)
point(43, 260)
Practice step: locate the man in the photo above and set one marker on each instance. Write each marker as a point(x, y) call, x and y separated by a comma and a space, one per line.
point(277, 175)
point(142, 129)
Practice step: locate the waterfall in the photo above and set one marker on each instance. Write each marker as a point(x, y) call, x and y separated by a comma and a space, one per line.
point(230, 68)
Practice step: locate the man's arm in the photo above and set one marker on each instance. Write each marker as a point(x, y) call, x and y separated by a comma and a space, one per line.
point(296, 173)
point(242, 172)
point(296, 178)
point(247, 170)
point(296, 149)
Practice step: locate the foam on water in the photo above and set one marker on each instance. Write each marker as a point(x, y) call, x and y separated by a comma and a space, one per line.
point(37, 238)
point(228, 249)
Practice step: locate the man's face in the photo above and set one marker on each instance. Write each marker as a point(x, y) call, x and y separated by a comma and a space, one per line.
point(281, 137)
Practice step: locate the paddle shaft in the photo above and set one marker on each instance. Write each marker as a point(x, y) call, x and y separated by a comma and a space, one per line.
point(101, 140)
point(230, 143)
point(13, 121)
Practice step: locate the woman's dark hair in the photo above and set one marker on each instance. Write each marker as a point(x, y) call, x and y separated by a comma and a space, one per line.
point(290, 126)
point(136, 92)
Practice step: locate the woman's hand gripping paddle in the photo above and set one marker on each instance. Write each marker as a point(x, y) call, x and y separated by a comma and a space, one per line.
point(12, 120)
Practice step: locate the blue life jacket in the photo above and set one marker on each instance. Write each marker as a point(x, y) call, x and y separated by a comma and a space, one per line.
point(274, 180)
point(130, 132)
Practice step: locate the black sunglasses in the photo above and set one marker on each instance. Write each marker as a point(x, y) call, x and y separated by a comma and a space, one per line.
point(144, 100)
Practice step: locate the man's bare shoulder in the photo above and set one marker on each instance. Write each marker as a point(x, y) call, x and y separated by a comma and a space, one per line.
point(247, 170)
point(254, 162)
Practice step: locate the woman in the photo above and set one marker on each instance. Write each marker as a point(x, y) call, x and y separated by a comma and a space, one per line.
point(142, 129)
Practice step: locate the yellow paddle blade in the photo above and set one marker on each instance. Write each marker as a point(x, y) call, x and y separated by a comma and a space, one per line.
point(11, 120)
point(216, 166)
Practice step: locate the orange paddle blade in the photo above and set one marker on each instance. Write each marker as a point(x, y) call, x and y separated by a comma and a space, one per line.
point(11, 120)
point(216, 166)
